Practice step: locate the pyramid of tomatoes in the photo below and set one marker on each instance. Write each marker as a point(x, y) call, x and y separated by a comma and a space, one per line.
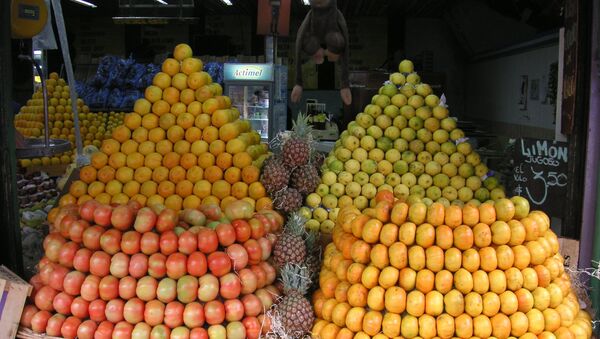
point(124, 271)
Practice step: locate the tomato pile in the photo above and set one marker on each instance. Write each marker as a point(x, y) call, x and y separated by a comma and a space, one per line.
point(125, 271)
point(492, 270)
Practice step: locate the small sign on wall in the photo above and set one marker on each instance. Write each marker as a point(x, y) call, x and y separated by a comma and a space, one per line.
point(523, 95)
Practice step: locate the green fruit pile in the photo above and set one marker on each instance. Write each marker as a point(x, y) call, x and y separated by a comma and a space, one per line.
point(404, 141)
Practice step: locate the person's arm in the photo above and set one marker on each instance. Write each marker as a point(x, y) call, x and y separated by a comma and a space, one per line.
point(299, 42)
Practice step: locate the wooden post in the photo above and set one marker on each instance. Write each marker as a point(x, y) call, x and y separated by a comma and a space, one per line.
point(10, 231)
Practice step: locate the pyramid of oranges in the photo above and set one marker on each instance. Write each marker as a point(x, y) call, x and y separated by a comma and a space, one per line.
point(184, 145)
point(412, 270)
point(94, 127)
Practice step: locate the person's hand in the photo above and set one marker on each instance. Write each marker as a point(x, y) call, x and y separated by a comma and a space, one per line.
point(296, 93)
point(346, 96)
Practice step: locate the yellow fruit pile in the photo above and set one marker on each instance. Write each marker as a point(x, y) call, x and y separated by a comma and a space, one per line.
point(182, 146)
point(405, 142)
point(433, 271)
point(95, 127)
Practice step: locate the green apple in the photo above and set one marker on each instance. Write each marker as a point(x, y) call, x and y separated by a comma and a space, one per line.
point(423, 112)
point(440, 112)
point(345, 177)
point(329, 178)
point(320, 214)
point(369, 191)
point(337, 189)
point(465, 194)
point(415, 123)
point(441, 180)
point(409, 179)
point(433, 193)
point(449, 193)
point(465, 148)
point(400, 122)
point(383, 100)
point(375, 131)
point(456, 134)
point(393, 179)
point(336, 166)
point(385, 167)
point(406, 66)
point(441, 158)
point(497, 193)
point(376, 154)
point(313, 225)
point(384, 143)
point(408, 134)
point(389, 90)
point(400, 167)
point(416, 101)
point(444, 202)
point(353, 189)
point(364, 120)
point(367, 142)
point(343, 154)
point(409, 156)
point(473, 183)
point(425, 180)
point(450, 170)
point(482, 194)
point(424, 135)
point(369, 166)
point(377, 179)
point(399, 100)
point(407, 111)
point(391, 111)
point(374, 110)
point(424, 157)
point(305, 212)
point(329, 201)
point(431, 124)
point(361, 178)
point(393, 155)
point(521, 207)
point(352, 166)
point(448, 124)
point(408, 90)
point(383, 121)
point(359, 154)
point(457, 159)
point(416, 146)
point(327, 226)
point(457, 182)
point(313, 200)
point(418, 191)
point(440, 136)
point(432, 168)
point(413, 78)
point(431, 100)
point(398, 78)
point(401, 144)
point(401, 192)
point(322, 190)
point(466, 170)
point(416, 168)
point(361, 202)
point(448, 147)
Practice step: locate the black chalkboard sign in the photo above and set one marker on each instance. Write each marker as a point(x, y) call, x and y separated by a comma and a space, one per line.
point(540, 174)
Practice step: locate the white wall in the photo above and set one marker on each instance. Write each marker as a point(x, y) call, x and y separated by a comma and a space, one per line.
point(493, 88)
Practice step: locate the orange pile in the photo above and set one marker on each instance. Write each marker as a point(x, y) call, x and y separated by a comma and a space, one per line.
point(416, 271)
point(184, 145)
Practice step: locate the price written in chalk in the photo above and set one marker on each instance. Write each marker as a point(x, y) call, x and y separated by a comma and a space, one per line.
point(540, 173)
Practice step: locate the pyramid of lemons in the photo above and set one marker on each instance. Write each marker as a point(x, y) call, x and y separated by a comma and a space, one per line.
point(405, 142)
point(95, 127)
point(412, 270)
point(184, 145)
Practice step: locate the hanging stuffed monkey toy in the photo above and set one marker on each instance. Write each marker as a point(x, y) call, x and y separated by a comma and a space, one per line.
point(324, 26)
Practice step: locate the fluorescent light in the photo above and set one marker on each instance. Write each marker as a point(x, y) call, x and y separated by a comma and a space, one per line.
point(306, 2)
point(84, 3)
point(227, 2)
point(161, 2)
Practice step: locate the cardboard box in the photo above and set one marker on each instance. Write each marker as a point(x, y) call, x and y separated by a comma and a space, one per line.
point(569, 248)
point(12, 300)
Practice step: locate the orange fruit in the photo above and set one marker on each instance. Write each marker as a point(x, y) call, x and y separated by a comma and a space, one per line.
point(250, 174)
point(117, 160)
point(153, 93)
point(174, 202)
point(202, 121)
point(177, 174)
point(110, 146)
point(202, 188)
point(181, 147)
point(211, 200)
point(150, 121)
point(140, 134)
point(192, 202)
point(194, 174)
point(182, 51)
point(124, 174)
point(161, 80)
point(196, 80)
point(184, 188)
point(193, 134)
point(170, 66)
point(153, 160)
point(155, 200)
point(178, 108)
point(194, 108)
point(149, 188)
point(170, 160)
point(188, 160)
point(170, 95)
point(175, 133)
point(106, 174)
point(131, 188)
point(78, 188)
point(210, 105)
point(179, 81)
point(99, 160)
point(132, 120)
point(142, 106)
point(135, 160)
point(232, 174)
point(160, 174)
point(185, 120)
point(95, 188)
point(190, 65)
point(160, 107)
point(113, 187)
point(239, 190)
point(166, 121)
point(242, 159)
point(147, 147)
point(203, 93)
point(224, 160)
point(103, 198)
point(256, 190)
point(141, 199)
point(142, 174)
point(213, 174)
point(87, 174)
point(166, 188)
point(206, 160)
point(264, 203)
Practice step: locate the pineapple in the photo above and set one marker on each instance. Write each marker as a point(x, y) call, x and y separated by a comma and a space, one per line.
point(313, 253)
point(305, 179)
point(294, 312)
point(287, 200)
point(276, 175)
point(290, 246)
point(297, 148)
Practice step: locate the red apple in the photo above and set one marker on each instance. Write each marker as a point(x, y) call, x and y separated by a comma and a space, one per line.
point(133, 311)
point(89, 288)
point(100, 264)
point(96, 310)
point(230, 286)
point(234, 310)
point(174, 314)
point(168, 242)
point(110, 241)
point(108, 288)
point(219, 263)
point(91, 237)
point(138, 265)
point(114, 310)
point(249, 280)
point(226, 234)
point(176, 265)
point(76, 230)
point(193, 315)
point(187, 289)
point(154, 312)
point(188, 242)
point(86, 211)
point(80, 308)
point(127, 287)
point(208, 241)
point(243, 231)
point(146, 288)
point(119, 265)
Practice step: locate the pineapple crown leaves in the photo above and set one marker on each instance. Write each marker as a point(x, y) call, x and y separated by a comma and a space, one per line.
point(313, 243)
point(295, 225)
point(301, 128)
point(295, 278)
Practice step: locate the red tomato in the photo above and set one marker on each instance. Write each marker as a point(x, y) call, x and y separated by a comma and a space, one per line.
point(65, 224)
point(67, 254)
point(145, 220)
point(249, 280)
point(54, 324)
point(160, 332)
point(133, 311)
point(100, 264)
point(157, 265)
point(28, 312)
point(141, 330)
point(150, 243)
point(122, 217)
point(86, 211)
point(154, 312)
point(89, 288)
point(81, 261)
point(193, 315)
point(167, 220)
point(44, 297)
point(119, 265)
point(76, 230)
point(110, 241)
point(52, 245)
point(108, 288)
point(130, 242)
point(198, 333)
point(102, 215)
point(188, 242)
point(72, 282)
point(114, 310)
point(214, 312)
point(253, 327)
point(96, 310)
point(45, 272)
point(261, 276)
point(270, 272)
point(86, 330)
point(180, 332)
point(212, 212)
point(234, 310)
point(230, 286)
point(196, 264)
point(243, 231)
point(187, 289)
point(168, 242)
point(146, 288)
point(36, 283)
point(236, 330)
point(238, 255)
point(265, 297)
point(258, 229)
point(69, 327)
point(104, 330)
point(122, 329)
point(208, 287)
point(265, 221)
point(62, 303)
point(219, 263)
point(167, 290)
point(226, 234)
point(252, 305)
point(134, 206)
point(127, 287)
point(176, 265)
point(254, 251)
point(80, 308)
point(265, 323)
point(57, 277)
point(174, 314)
point(208, 241)
point(138, 265)
point(91, 237)
point(266, 247)
point(39, 321)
